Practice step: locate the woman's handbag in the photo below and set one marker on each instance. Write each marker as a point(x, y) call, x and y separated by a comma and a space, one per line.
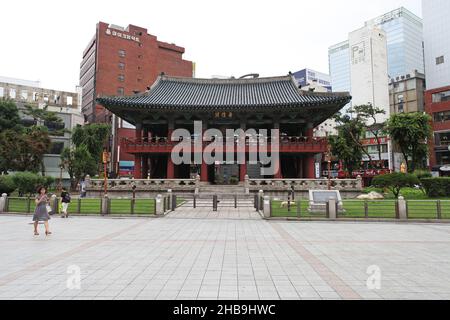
point(49, 208)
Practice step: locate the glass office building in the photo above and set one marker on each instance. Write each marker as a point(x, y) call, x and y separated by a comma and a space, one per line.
point(404, 32)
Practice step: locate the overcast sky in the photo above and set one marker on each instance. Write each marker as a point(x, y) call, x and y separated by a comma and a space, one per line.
point(44, 40)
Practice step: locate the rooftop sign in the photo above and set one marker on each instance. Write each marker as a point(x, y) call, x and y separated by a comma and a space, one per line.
point(122, 35)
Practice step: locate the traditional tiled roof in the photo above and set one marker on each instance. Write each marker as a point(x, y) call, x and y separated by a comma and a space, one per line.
point(173, 93)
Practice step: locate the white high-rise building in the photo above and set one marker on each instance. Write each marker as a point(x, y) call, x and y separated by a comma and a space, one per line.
point(436, 28)
point(369, 68)
point(437, 42)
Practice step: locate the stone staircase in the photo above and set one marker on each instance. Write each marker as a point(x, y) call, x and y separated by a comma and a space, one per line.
point(221, 190)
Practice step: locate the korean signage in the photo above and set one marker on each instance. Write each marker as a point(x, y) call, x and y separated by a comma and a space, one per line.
point(122, 35)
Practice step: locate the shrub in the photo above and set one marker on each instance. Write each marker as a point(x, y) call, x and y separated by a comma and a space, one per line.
point(7, 185)
point(423, 174)
point(436, 187)
point(395, 182)
point(28, 182)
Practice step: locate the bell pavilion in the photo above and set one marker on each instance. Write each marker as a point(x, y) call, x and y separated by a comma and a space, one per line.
point(256, 103)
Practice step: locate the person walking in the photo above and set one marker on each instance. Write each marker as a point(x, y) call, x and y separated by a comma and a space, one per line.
point(41, 213)
point(65, 201)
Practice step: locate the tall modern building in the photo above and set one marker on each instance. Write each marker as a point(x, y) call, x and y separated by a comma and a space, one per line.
point(124, 61)
point(306, 77)
point(436, 15)
point(404, 38)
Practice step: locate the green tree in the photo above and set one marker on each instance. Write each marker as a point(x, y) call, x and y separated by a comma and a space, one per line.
point(369, 115)
point(410, 131)
point(395, 182)
point(24, 151)
point(94, 137)
point(9, 116)
point(79, 163)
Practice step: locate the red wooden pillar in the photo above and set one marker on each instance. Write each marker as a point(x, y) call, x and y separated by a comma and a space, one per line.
point(138, 157)
point(137, 166)
point(170, 168)
point(145, 167)
point(310, 167)
point(243, 171)
point(204, 167)
point(170, 165)
point(310, 130)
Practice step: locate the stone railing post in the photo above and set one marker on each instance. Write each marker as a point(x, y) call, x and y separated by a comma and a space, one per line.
point(261, 200)
point(402, 209)
point(105, 205)
point(267, 207)
point(3, 201)
point(87, 181)
point(359, 183)
point(332, 209)
point(247, 184)
point(159, 205)
point(197, 184)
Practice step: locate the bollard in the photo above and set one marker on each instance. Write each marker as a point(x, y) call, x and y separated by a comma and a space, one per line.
point(261, 200)
point(299, 209)
point(255, 202)
point(332, 209)
point(267, 210)
point(174, 202)
point(215, 203)
point(235, 201)
point(3, 201)
point(170, 195)
point(159, 203)
point(105, 205)
point(195, 201)
point(54, 204)
point(402, 209)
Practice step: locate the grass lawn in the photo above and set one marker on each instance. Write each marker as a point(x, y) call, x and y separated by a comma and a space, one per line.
point(384, 209)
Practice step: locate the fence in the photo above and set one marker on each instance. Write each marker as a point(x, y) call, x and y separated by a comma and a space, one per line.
point(90, 206)
point(215, 201)
point(357, 209)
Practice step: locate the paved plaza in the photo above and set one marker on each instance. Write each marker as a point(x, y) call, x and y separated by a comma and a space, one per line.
point(231, 254)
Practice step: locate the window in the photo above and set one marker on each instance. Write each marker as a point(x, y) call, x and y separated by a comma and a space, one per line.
point(24, 95)
point(28, 122)
point(121, 78)
point(140, 56)
point(120, 91)
point(400, 102)
point(442, 116)
point(441, 96)
point(121, 66)
point(440, 60)
point(69, 101)
point(56, 148)
point(45, 97)
point(2, 92)
point(443, 158)
point(35, 96)
point(122, 53)
point(12, 93)
point(442, 139)
point(55, 128)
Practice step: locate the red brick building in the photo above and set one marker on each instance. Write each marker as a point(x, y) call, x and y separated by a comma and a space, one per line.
point(438, 106)
point(121, 61)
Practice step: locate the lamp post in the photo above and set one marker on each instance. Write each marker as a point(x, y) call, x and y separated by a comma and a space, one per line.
point(328, 160)
point(105, 158)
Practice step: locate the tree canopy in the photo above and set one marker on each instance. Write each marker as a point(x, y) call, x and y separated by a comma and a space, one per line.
point(410, 131)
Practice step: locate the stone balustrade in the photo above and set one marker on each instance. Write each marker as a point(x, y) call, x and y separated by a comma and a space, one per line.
point(142, 184)
point(304, 184)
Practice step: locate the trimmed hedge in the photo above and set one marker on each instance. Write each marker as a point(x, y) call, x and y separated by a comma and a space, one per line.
point(7, 185)
point(436, 187)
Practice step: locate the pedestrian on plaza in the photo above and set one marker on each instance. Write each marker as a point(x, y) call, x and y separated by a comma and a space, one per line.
point(41, 213)
point(65, 201)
